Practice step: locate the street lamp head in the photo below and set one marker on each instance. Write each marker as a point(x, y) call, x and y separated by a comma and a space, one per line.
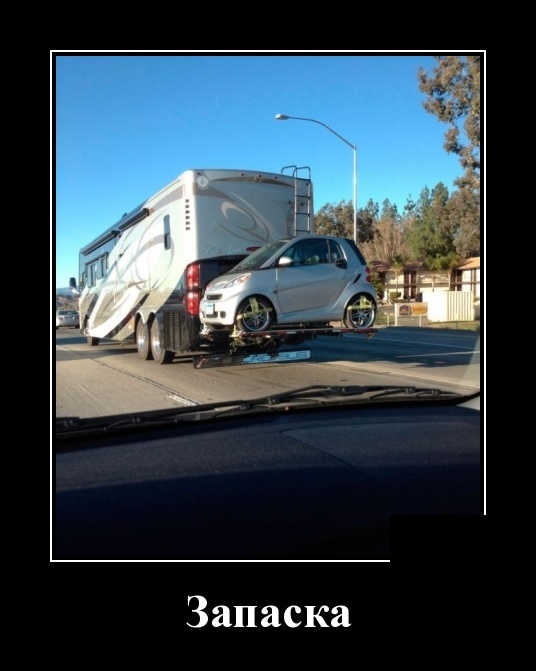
point(284, 117)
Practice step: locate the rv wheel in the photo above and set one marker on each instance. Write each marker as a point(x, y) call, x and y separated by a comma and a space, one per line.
point(142, 341)
point(91, 340)
point(160, 355)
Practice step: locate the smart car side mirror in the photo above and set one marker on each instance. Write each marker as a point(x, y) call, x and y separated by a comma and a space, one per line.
point(341, 263)
point(285, 261)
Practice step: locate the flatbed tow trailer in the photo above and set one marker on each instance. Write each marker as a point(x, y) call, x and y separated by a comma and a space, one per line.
point(263, 346)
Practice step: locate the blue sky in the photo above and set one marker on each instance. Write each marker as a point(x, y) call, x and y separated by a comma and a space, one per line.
point(125, 124)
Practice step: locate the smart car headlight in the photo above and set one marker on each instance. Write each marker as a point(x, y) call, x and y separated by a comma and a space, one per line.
point(237, 281)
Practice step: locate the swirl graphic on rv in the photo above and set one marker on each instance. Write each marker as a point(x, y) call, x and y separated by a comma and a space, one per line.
point(248, 223)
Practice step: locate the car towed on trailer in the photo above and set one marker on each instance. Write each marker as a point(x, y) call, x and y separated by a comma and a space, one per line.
point(300, 281)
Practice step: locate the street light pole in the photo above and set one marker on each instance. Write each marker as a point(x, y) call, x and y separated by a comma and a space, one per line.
point(284, 117)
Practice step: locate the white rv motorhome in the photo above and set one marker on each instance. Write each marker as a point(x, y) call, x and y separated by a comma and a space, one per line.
point(143, 277)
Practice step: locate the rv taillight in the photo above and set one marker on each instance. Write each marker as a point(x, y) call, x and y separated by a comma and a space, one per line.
point(192, 276)
point(192, 302)
point(193, 289)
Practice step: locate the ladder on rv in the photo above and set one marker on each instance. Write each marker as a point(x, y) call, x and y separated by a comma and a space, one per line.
point(302, 198)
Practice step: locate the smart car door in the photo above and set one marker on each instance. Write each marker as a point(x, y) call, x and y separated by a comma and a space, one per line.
point(312, 281)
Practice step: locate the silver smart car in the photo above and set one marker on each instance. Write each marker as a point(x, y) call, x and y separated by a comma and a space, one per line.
point(308, 280)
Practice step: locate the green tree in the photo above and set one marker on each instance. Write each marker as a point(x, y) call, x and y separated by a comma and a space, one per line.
point(365, 225)
point(338, 220)
point(388, 239)
point(463, 215)
point(453, 96)
point(433, 263)
point(441, 262)
point(429, 234)
point(452, 261)
point(334, 219)
point(376, 281)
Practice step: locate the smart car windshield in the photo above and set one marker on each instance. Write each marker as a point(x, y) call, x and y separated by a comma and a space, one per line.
point(259, 257)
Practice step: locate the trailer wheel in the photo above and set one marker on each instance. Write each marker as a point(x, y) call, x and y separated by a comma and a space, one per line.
point(360, 312)
point(255, 314)
point(160, 355)
point(143, 341)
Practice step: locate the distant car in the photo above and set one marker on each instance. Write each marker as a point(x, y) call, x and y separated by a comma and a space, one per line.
point(67, 318)
point(301, 281)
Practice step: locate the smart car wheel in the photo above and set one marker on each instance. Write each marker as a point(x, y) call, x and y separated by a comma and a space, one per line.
point(255, 314)
point(142, 341)
point(360, 312)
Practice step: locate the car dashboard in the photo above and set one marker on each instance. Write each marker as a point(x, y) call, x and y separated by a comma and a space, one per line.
point(320, 484)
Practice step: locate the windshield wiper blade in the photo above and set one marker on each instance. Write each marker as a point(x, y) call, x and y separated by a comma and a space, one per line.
point(293, 399)
point(329, 395)
point(323, 392)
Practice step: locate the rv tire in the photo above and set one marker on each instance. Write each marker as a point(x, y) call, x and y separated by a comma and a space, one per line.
point(143, 341)
point(91, 340)
point(160, 355)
